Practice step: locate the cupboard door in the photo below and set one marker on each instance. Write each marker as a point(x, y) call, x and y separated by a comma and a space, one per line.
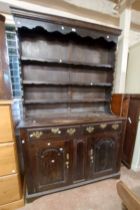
point(102, 154)
point(48, 163)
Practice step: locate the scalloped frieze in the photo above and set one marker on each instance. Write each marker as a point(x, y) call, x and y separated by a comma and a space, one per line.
point(63, 29)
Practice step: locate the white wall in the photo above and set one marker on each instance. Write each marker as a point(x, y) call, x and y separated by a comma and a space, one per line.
point(134, 37)
point(133, 70)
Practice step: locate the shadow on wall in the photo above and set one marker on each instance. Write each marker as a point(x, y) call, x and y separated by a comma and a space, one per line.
point(78, 10)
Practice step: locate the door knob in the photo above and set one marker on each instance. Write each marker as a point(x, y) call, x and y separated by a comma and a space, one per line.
point(67, 164)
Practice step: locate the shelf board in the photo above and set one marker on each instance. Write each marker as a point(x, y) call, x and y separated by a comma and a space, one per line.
point(37, 83)
point(60, 62)
point(98, 100)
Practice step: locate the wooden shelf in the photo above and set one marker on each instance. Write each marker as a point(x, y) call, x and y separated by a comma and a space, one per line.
point(98, 100)
point(28, 82)
point(65, 73)
point(33, 61)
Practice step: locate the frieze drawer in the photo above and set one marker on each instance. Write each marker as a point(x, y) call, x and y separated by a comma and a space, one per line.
point(53, 132)
point(91, 129)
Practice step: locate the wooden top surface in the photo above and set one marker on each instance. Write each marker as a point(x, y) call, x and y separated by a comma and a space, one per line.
point(69, 120)
point(5, 102)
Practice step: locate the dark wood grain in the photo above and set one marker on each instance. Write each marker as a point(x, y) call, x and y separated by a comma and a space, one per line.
point(57, 63)
point(64, 66)
point(102, 154)
point(116, 104)
point(128, 105)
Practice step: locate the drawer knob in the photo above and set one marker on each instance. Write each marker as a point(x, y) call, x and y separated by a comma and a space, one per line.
point(67, 164)
point(36, 134)
point(71, 131)
point(52, 161)
point(49, 144)
point(23, 142)
point(67, 156)
point(103, 125)
point(90, 129)
point(91, 156)
point(56, 130)
point(115, 126)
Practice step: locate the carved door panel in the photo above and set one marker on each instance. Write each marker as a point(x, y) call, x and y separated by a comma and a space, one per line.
point(80, 148)
point(103, 150)
point(49, 163)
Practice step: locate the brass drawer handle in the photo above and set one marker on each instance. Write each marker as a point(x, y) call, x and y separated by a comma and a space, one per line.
point(56, 131)
point(90, 129)
point(71, 131)
point(115, 126)
point(103, 125)
point(36, 134)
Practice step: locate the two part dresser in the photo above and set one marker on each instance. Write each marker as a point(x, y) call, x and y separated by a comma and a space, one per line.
point(69, 135)
point(11, 195)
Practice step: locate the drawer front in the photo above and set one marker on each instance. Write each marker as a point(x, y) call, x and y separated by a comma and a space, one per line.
point(72, 131)
point(53, 133)
point(90, 129)
point(9, 189)
point(6, 132)
point(14, 205)
point(7, 159)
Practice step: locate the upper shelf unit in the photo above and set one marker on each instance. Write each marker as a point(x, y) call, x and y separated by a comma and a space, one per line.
point(67, 65)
